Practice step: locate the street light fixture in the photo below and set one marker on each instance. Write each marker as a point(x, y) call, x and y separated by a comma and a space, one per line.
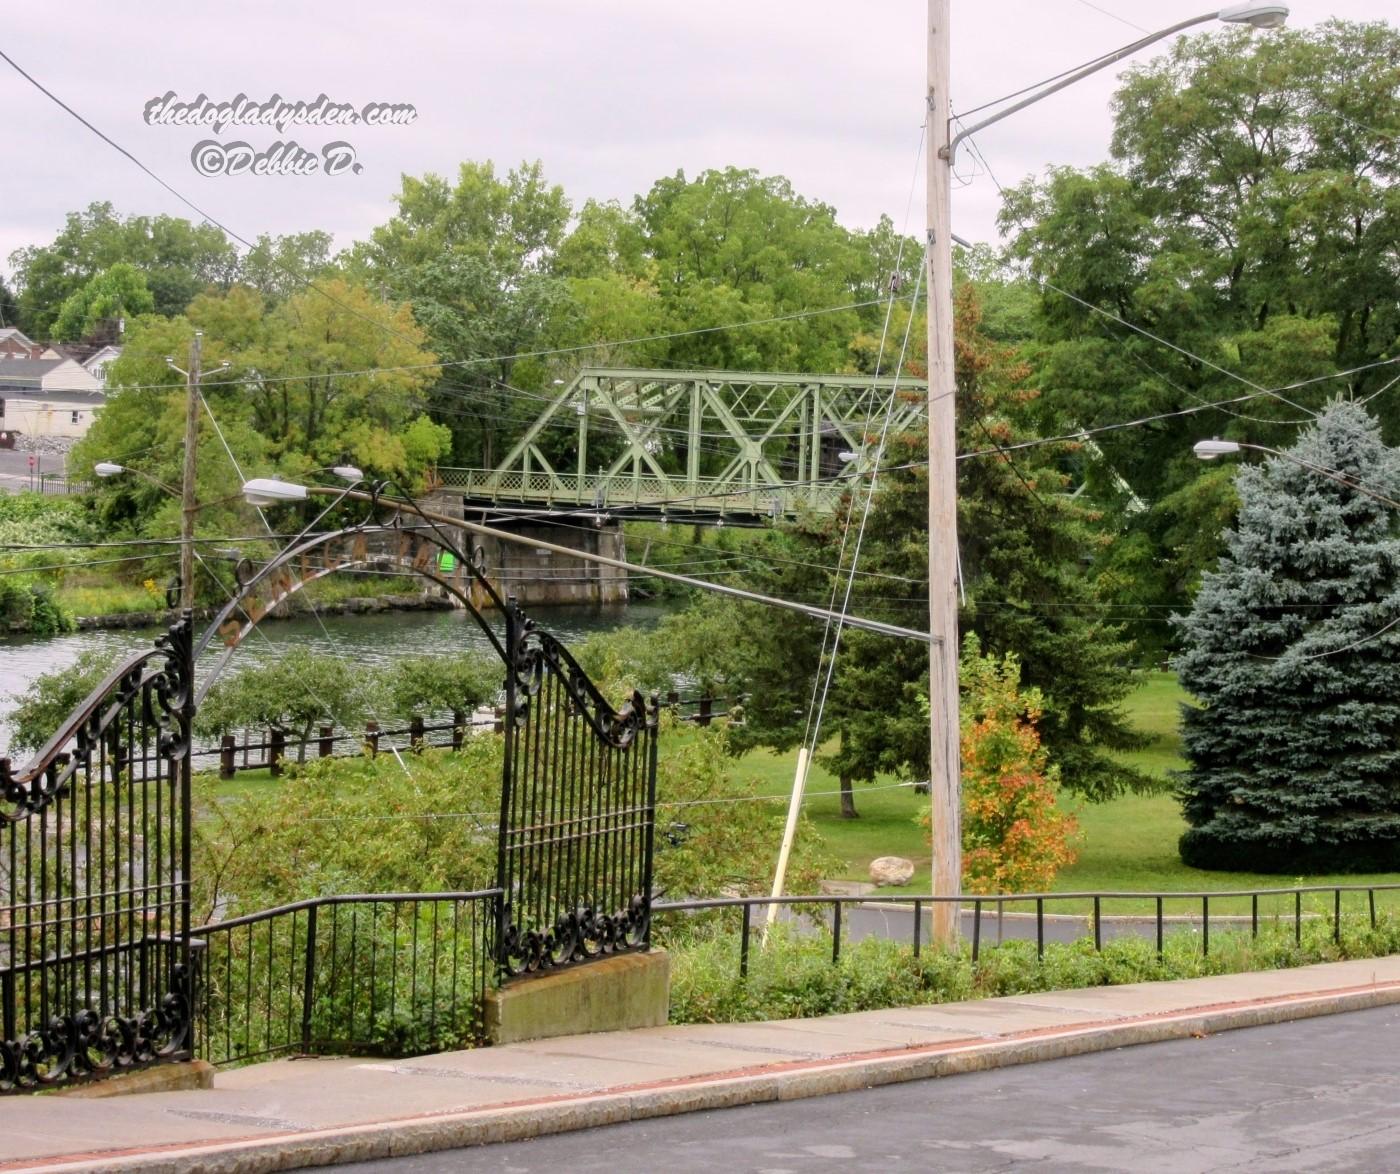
point(1208, 450)
point(348, 473)
point(1258, 16)
point(261, 491)
point(107, 469)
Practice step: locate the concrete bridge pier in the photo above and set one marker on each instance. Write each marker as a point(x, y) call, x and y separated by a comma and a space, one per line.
point(541, 577)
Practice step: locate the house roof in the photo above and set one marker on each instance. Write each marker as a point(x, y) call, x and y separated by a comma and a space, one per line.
point(28, 375)
point(28, 368)
point(79, 352)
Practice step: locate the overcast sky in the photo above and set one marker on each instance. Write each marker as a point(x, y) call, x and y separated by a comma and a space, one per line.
point(608, 94)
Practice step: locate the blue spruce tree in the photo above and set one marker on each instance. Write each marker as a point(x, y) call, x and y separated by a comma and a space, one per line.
point(1292, 650)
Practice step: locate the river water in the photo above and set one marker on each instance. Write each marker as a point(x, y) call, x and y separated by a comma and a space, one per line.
point(369, 639)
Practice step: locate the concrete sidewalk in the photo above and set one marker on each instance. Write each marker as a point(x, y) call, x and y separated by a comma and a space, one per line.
point(293, 1113)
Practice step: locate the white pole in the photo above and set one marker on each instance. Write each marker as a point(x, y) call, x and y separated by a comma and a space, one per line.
point(944, 790)
point(799, 785)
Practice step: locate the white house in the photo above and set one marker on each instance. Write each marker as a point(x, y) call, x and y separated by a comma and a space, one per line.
point(97, 363)
point(48, 397)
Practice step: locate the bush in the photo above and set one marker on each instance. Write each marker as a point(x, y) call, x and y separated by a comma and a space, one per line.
point(51, 697)
point(30, 606)
point(34, 519)
point(354, 825)
point(423, 685)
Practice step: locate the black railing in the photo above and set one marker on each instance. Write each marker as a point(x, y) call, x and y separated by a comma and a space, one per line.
point(975, 910)
point(378, 973)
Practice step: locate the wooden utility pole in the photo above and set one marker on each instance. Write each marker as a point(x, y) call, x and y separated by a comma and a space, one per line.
point(187, 485)
point(944, 787)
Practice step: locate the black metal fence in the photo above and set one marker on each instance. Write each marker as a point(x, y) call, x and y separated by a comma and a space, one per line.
point(94, 939)
point(381, 973)
point(1275, 905)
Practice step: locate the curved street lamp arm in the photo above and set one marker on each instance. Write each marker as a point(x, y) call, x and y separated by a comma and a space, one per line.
point(951, 150)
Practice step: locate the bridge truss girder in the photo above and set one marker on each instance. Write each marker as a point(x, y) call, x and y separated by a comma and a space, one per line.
point(727, 442)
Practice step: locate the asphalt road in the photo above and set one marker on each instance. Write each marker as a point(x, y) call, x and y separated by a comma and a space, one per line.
point(1318, 1095)
point(15, 474)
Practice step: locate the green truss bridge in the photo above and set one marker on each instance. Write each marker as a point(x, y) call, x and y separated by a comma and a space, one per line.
point(695, 444)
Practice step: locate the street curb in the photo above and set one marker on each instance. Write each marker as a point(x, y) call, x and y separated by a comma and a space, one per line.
point(793, 1080)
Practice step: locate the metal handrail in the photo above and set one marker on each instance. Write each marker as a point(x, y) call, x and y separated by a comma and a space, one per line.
point(343, 899)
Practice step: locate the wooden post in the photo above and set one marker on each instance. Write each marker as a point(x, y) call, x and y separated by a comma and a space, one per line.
point(276, 749)
point(706, 707)
point(327, 747)
point(372, 737)
point(228, 747)
point(459, 728)
point(188, 508)
point(944, 735)
point(415, 732)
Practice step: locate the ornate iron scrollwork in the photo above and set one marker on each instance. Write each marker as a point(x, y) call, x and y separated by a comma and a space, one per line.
point(85, 1045)
point(577, 936)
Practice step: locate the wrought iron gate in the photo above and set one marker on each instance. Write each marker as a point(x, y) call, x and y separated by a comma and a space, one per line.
point(577, 811)
point(95, 973)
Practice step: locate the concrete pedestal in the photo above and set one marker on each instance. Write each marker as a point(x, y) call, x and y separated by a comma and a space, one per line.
point(612, 994)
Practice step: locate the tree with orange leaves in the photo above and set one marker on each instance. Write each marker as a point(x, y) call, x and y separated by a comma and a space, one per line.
point(1014, 837)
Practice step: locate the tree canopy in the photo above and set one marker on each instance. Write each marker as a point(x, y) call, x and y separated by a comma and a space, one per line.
point(178, 259)
point(1249, 217)
point(114, 294)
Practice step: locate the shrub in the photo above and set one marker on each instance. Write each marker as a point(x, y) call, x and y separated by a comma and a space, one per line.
point(51, 697)
point(794, 977)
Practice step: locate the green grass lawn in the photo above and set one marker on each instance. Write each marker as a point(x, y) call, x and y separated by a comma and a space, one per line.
point(1127, 844)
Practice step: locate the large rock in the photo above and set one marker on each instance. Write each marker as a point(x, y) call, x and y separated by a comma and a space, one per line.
point(891, 870)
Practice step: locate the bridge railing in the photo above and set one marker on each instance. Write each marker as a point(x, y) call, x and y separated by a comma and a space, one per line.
point(623, 489)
